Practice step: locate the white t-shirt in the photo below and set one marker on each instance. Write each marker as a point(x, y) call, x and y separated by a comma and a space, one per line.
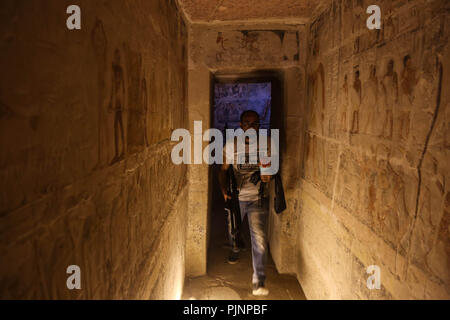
point(244, 168)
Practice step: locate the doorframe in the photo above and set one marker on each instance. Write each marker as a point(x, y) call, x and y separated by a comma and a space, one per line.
point(276, 78)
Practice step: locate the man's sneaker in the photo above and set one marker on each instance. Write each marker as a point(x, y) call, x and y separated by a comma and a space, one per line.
point(260, 290)
point(233, 258)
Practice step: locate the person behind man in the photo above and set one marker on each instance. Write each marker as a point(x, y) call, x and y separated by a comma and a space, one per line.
point(250, 194)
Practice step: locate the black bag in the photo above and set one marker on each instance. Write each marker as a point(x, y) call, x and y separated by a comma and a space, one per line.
point(280, 201)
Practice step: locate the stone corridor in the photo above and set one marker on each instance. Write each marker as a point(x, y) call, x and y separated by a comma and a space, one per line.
point(86, 123)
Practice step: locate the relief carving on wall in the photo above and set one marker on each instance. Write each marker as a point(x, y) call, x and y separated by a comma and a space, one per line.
point(250, 43)
point(117, 106)
point(220, 42)
point(370, 102)
point(316, 99)
point(137, 101)
point(255, 46)
point(144, 111)
point(409, 79)
point(100, 44)
point(344, 105)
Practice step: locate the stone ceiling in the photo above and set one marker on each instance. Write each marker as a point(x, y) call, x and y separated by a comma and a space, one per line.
point(210, 11)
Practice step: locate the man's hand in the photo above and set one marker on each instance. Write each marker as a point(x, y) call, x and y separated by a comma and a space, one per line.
point(223, 179)
point(264, 163)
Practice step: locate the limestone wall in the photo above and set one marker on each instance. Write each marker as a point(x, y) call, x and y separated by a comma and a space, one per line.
point(85, 171)
point(375, 178)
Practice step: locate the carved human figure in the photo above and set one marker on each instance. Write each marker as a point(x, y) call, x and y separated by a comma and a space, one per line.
point(385, 194)
point(389, 29)
point(250, 42)
point(267, 105)
point(344, 105)
point(356, 103)
point(317, 99)
point(408, 79)
point(311, 158)
point(370, 99)
point(389, 85)
point(311, 103)
point(100, 44)
point(117, 105)
point(236, 90)
point(144, 111)
point(220, 40)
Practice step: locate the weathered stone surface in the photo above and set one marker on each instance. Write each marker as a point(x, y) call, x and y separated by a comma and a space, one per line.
point(85, 170)
point(373, 190)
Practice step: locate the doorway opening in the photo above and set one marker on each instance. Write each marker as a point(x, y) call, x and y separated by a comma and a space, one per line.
point(231, 95)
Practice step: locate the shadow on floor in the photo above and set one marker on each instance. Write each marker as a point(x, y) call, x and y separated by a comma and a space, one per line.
point(233, 282)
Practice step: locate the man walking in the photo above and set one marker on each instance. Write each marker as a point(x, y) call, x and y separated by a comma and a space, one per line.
point(253, 195)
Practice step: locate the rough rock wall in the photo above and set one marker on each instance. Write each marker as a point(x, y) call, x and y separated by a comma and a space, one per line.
point(240, 49)
point(375, 185)
point(85, 171)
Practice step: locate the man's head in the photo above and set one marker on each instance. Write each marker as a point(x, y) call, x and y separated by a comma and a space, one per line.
point(250, 120)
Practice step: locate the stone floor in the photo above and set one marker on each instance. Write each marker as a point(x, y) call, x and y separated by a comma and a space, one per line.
point(233, 282)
